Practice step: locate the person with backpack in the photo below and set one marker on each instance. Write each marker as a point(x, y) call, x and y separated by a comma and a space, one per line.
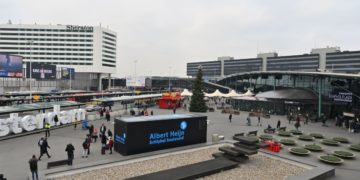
point(70, 153)
point(85, 149)
point(88, 141)
point(43, 144)
point(110, 134)
point(33, 162)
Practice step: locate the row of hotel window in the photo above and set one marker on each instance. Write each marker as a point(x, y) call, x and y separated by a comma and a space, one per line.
point(43, 30)
point(42, 39)
point(55, 35)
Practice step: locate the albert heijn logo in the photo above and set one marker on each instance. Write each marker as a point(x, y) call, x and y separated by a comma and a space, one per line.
point(121, 138)
point(183, 125)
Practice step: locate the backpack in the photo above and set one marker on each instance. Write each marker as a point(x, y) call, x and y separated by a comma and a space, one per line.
point(85, 145)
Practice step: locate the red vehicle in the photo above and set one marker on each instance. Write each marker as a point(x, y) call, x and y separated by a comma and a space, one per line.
point(170, 100)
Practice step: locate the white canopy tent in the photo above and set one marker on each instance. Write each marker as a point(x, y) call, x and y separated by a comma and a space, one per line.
point(186, 92)
point(216, 93)
point(232, 93)
point(248, 93)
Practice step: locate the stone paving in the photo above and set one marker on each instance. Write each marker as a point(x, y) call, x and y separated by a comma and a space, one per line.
point(15, 153)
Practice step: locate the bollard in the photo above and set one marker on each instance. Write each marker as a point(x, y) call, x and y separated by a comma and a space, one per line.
point(215, 138)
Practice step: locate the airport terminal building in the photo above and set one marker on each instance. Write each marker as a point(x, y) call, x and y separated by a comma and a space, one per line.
point(329, 59)
point(90, 50)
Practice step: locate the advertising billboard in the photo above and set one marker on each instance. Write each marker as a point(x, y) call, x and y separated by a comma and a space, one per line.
point(138, 81)
point(66, 72)
point(341, 96)
point(41, 71)
point(11, 65)
point(158, 132)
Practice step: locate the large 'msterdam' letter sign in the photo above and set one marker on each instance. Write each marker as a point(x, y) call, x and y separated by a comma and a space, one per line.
point(16, 124)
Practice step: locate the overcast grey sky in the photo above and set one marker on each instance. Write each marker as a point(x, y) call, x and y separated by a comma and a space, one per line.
point(163, 33)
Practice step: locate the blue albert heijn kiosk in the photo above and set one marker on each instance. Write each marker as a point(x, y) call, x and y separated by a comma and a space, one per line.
point(135, 135)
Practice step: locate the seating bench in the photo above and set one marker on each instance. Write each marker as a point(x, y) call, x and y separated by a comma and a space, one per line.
point(57, 163)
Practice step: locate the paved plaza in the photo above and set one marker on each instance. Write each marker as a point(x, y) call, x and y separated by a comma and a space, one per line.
point(15, 153)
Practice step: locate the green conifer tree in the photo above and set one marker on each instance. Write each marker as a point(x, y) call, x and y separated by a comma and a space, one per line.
point(197, 103)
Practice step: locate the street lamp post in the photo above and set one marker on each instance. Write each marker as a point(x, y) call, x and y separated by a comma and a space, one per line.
point(135, 61)
point(169, 77)
point(31, 42)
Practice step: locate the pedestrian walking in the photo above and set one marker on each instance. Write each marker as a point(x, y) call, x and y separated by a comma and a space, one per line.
point(230, 117)
point(306, 118)
point(107, 116)
point(278, 124)
point(43, 144)
point(88, 141)
point(33, 162)
point(110, 134)
point(85, 149)
point(75, 122)
point(70, 153)
point(103, 144)
point(297, 124)
point(94, 135)
point(56, 120)
point(248, 121)
point(91, 129)
point(47, 129)
point(290, 118)
point(102, 130)
point(174, 110)
point(259, 121)
point(152, 112)
point(101, 113)
point(110, 144)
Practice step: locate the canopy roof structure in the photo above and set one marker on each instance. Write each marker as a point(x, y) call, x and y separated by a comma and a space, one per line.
point(128, 98)
point(36, 106)
point(232, 93)
point(216, 93)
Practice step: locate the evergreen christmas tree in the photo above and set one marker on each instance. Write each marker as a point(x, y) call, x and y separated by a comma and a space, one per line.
point(197, 103)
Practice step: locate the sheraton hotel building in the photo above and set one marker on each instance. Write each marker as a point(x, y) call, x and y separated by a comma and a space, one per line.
point(326, 80)
point(90, 50)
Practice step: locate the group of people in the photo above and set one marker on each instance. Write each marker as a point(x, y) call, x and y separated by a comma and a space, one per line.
point(106, 112)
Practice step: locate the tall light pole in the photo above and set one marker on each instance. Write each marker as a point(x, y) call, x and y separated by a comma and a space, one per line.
point(70, 69)
point(169, 77)
point(31, 42)
point(135, 61)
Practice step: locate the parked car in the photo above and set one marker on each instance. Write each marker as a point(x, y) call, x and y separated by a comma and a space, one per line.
point(93, 108)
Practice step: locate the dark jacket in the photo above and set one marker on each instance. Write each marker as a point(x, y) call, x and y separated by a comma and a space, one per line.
point(70, 150)
point(102, 129)
point(103, 139)
point(110, 134)
point(33, 164)
point(43, 145)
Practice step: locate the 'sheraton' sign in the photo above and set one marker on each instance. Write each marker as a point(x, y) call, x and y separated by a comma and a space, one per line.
point(16, 124)
point(79, 28)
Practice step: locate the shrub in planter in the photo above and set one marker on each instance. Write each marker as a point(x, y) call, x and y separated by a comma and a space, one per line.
point(355, 147)
point(341, 139)
point(288, 142)
point(331, 159)
point(343, 154)
point(313, 147)
point(284, 133)
point(317, 135)
point(299, 151)
point(266, 137)
point(296, 132)
point(306, 137)
point(330, 142)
